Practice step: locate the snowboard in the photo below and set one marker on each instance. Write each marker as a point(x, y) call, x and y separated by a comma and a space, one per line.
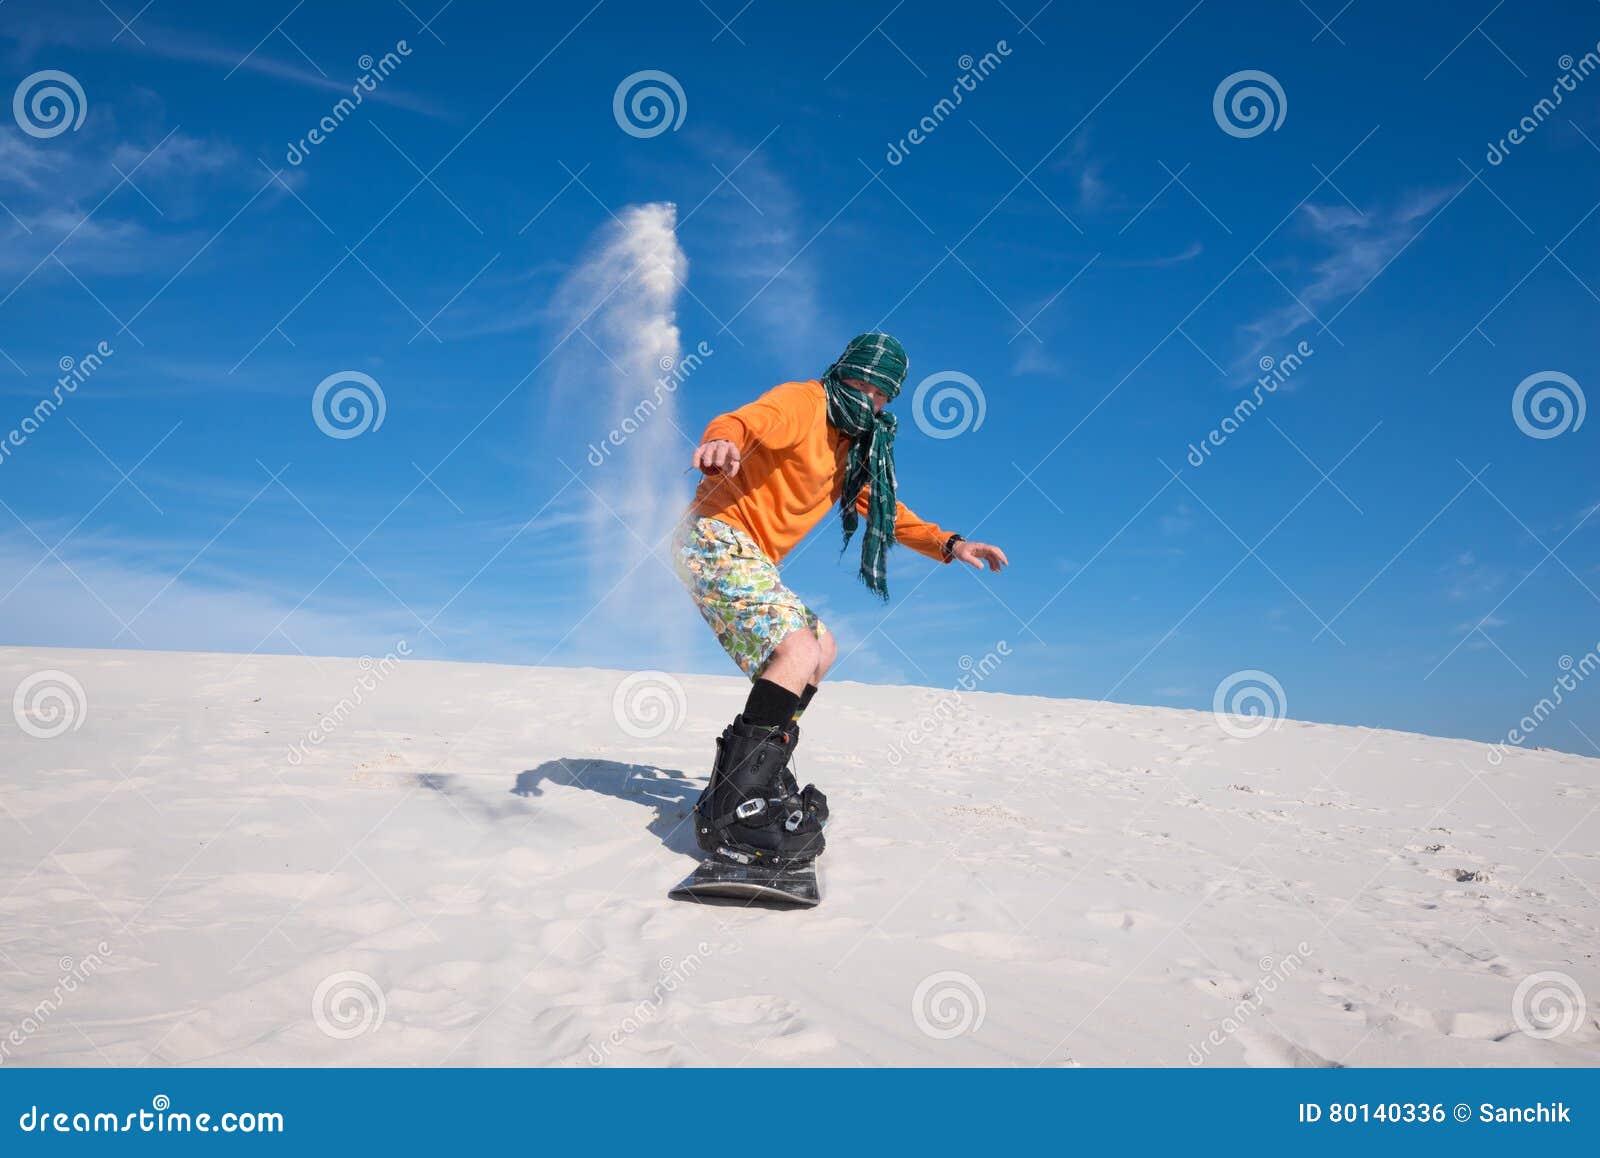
point(757, 884)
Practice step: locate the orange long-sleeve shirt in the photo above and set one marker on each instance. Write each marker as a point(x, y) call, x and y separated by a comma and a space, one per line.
point(791, 470)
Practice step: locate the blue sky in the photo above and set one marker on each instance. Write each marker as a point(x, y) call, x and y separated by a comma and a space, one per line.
point(1081, 237)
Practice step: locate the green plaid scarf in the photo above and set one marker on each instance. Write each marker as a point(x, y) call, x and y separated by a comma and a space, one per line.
point(880, 360)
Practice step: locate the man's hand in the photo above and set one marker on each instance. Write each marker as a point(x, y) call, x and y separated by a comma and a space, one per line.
point(977, 554)
point(717, 457)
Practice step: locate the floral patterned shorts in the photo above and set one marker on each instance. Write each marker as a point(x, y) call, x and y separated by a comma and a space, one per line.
point(739, 592)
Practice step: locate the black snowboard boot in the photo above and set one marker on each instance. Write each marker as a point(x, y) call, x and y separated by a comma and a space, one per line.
point(752, 811)
point(816, 801)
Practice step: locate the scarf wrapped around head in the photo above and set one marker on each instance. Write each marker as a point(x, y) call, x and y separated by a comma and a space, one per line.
point(880, 360)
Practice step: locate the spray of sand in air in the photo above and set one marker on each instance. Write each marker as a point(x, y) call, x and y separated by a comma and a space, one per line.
point(619, 307)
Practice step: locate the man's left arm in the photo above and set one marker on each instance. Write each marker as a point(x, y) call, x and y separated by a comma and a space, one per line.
point(932, 540)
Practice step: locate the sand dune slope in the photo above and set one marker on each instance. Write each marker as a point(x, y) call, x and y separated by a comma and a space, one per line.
point(469, 865)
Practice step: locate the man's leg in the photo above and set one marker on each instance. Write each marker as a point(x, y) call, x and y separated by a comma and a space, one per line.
point(827, 652)
point(775, 695)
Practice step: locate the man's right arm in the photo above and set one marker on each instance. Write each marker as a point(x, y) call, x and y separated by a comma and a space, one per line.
point(776, 420)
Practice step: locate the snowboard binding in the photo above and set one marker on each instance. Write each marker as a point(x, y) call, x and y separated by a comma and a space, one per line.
point(753, 811)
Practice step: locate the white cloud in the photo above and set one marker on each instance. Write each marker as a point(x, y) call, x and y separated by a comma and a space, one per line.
point(1359, 246)
point(762, 251)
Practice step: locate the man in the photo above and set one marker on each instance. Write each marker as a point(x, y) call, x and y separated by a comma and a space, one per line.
point(772, 470)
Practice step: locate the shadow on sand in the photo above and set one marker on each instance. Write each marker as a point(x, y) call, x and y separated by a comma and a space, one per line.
point(671, 793)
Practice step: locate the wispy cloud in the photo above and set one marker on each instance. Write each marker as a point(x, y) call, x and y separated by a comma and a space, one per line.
point(762, 253)
point(1359, 246)
point(49, 24)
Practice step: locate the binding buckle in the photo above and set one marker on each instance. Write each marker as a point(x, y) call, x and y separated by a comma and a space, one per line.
point(750, 808)
point(795, 820)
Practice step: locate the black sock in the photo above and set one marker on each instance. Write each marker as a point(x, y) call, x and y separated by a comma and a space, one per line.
point(805, 699)
point(770, 705)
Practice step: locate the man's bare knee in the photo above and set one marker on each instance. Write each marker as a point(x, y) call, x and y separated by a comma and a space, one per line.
point(800, 647)
point(827, 652)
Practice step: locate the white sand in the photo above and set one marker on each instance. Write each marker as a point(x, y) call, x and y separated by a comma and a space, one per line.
point(489, 848)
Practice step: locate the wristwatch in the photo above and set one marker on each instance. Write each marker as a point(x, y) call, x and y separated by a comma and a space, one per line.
point(950, 546)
